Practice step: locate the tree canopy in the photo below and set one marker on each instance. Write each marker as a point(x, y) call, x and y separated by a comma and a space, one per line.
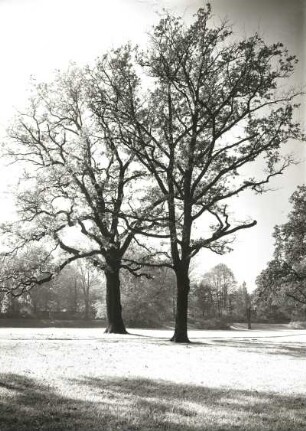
point(286, 273)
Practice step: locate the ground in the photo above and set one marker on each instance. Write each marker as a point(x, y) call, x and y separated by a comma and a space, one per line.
point(62, 379)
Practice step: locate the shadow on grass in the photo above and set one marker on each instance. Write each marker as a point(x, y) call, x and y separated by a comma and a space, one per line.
point(51, 323)
point(109, 404)
point(255, 346)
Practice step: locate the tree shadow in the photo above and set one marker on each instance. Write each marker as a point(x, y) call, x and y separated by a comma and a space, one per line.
point(122, 404)
point(50, 323)
point(254, 345)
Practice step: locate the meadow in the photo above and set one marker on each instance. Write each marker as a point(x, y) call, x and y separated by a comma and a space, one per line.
point(58, 379)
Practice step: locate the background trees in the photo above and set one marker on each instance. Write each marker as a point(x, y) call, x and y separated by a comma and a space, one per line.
point(77, 292)
point(88, 279)
point(285, 275)
point(218, 298)
point(215, 292)
point(149, 302)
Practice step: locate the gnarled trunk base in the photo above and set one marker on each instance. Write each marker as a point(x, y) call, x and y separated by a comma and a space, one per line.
point(115, 329)
point(180, 337)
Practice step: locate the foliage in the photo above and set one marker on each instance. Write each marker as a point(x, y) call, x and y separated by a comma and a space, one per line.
point(149, 302)
point(284, 279)
point(214, 294)
point(218, 299)
point(72, 294)
point(21, 270)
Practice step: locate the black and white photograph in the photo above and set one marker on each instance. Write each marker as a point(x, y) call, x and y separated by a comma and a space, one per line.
point(153, 215)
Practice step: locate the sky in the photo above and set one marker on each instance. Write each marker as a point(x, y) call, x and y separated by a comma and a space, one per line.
point(40, 36)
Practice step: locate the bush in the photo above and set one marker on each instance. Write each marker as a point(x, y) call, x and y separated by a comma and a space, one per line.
point(298, 325)
point(213, 323)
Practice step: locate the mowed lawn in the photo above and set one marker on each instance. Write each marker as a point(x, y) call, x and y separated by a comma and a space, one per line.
point(81, 379)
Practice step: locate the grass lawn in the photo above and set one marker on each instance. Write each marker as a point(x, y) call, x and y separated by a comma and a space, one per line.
point(81, 379)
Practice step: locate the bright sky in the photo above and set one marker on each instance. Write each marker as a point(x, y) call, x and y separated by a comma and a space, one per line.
point(39, 36)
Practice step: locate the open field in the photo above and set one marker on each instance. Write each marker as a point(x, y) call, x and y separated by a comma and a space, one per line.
point(81, 379)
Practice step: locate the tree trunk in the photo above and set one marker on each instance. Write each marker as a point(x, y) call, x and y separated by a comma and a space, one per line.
point(86, 310)
point(174, 302)
point(75, 297)
point(180, 332)
point(113, 303)
point(248, 313)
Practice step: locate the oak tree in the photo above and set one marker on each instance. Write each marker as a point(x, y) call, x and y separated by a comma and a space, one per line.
point(78, 179)
point(199, 110)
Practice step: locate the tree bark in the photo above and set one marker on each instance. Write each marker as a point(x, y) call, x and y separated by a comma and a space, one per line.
point(113, 302)
point(183, 286)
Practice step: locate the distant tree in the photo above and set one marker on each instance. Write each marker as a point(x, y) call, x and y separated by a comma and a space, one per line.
point(203, 299)
point(248, 305)
point(65, 292)
point(43, 299)
point(215, 291)
point(276, 309)
point(222, 282)
point(239, 303)
point(285, 275)
point(87, 280)
point(2, 302)
point(202, 109)
point(148, 303)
